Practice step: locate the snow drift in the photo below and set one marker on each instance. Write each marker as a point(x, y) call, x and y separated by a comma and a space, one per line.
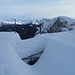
point(58, 57)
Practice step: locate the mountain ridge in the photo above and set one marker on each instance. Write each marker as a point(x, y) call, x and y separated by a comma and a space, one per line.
point(57, 24)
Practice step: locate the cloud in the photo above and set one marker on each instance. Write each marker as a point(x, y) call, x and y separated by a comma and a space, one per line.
point(31, 9)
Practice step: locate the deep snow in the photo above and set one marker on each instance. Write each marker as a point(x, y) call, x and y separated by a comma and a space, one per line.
point(58, 57)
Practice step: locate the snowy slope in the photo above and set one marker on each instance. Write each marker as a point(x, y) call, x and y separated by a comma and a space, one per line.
point(64, 37)
point(58, 57)
point(64, 18)
point(58, 24)
point(10, 62)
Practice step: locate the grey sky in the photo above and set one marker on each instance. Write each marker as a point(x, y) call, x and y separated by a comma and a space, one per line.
point(36, 9)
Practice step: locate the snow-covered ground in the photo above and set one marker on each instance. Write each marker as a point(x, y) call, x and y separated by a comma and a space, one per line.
point(58, 57)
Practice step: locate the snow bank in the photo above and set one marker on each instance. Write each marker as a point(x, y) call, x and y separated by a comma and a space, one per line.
point(9, 36)
point(64, 37)
point(8, 60)
point(58, 57)
point(24, 48)
point(11, 63)
point(31, 46)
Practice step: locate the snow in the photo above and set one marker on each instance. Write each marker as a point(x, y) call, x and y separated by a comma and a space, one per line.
point(70, 23)
point(10, 22)
point(58, 57)
point(64, 18)
point(10, 62)
point(35, 23)
point(47, 23)
point(30, 46)
point(64, 37)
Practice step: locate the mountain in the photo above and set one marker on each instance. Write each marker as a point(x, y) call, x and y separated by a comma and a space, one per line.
point(58, 24)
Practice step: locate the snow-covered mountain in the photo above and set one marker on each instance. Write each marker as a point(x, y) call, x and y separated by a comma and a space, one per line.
point(58, 24)
point(10, 22)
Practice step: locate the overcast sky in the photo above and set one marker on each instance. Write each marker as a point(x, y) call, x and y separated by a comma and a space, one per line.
point(36, 9)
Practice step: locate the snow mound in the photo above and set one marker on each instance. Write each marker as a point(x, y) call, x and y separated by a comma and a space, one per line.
point(10, 62)
point(58, 57)
point(10, 37)
point(31, 46)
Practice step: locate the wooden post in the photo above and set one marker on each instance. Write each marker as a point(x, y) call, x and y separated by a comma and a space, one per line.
point(31, 58)
point(41, 27)
point(15, 24)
